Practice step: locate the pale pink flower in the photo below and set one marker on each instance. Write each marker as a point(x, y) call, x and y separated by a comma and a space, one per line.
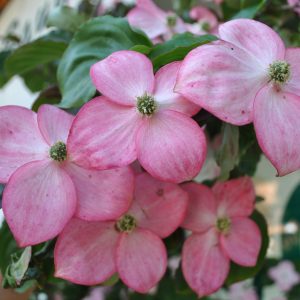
point(97, 293)
point(242, 291)
point(206, 21)
point(249, 76)
point(295, 4)
point(154, 21)
point(221, 231)
point(45, 187)
point(284, 275)
point(138, 116)
point(91, 252)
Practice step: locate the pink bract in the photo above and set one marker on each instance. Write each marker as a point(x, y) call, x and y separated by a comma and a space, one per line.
point(295, 4)
point(249, 76)
point(45, 188)
point(205, 19)
point(221, 231)
point(91, 252)
point(154, 21)
point(138, 117)
point(285, 275)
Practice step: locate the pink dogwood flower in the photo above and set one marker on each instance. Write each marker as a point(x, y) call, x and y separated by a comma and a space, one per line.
point(138, 116)
point(91, 252)
point(295, 4)
point(285, 275)
point(45, 187)
point(154, 21)
point(242, 291)
point(221, 231)
point(206, 21)
point(249, 76)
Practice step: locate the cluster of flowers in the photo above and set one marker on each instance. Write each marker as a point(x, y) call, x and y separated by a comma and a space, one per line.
point(113, 221)
point(70, 176)
point(247, 76)
point(160, 25)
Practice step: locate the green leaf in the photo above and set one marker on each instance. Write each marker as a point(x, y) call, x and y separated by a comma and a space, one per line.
point(66, 18)
point(177, 48)
point(8, 246)
point(111, 280)
point(34, 54)
point(95, 40)
point(291, 216)
point(50, 95)
point(3, 76)
point(238, 273)
point(249, 12)
point(16, 270)
point(250, 151)
point(228, 154)
point(142, 49)
point(235, 9)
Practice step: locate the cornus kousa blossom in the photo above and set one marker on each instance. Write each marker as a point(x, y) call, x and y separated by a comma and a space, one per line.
point(154, 21)
point(91, 252)
point(249, 76)
point(295, 4)
point(138, 116)
point(45, 187)
point(221, 231)
point(206, 20)
point(285, 275)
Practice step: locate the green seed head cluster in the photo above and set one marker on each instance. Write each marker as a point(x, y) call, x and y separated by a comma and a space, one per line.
point(171, 21)
point(223, 225)
point(279, 71)
point(58, 152)
point(146, 105)
point(126, 224)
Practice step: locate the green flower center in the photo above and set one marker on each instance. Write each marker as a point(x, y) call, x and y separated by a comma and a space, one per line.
point(205, 26)
point(223, 225)
point(146, 105)
point(58, 151)
point(126, 224)
point(279, 71)
point(171, 20)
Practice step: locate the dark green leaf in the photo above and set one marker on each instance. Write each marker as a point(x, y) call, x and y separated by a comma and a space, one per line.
point(291, 240)
point(95, 40)
point(3, 76)
point(228, 154)
point(142, 49)
point(16, 270)
point(50, 95)
point(111, 281)
point(1, 193)
point(239, 273)
point(8, 246)
point(66, 18)
point(250, 151)
point(249, 12)
point(34, 54)
point(171, 288)
point(235, 9)
point(259, 199)
point(177, 48)
point(174, 242)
